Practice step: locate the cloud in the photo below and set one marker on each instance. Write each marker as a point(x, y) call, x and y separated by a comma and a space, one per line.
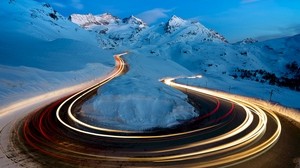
point(294, 29)
point(151, 16)
point(77, 4)
point(248, 1)
point(281, 32)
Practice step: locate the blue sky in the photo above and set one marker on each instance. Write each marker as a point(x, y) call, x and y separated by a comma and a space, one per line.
point(235, 19)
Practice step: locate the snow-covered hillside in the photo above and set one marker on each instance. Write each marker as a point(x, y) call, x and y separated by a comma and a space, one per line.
point(41, 51)
point(204, 51)
point(38, 20)
point(132, 32)
point(89, 21)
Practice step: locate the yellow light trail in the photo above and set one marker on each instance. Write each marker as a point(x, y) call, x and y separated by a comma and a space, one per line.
point(212, 149)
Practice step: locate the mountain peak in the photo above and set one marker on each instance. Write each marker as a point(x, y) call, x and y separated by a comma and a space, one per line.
point(134, 21)
point(173, 23)
point(249, 41)
point(175, 17)
point(176, 20)
point(107, 15)
point(90, 19)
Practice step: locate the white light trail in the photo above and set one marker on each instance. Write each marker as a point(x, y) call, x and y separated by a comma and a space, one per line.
point(178, 153)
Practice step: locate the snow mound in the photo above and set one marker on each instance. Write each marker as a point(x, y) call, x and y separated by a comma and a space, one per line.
point(137, 100)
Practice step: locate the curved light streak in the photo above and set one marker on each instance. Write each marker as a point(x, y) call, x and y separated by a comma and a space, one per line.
point(245, 140)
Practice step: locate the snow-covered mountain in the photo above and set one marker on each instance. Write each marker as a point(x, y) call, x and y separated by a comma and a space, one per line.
point(202, 50)
point(191, 45)
point(133, 32)
point(247, 41)
point(174, 23)
point(39, 20)
point(192, 29)
point(89, 20)
point(41, 50)
point(135, 22)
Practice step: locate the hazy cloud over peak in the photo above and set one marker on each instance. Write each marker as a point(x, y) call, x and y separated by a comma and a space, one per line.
point(151, 16)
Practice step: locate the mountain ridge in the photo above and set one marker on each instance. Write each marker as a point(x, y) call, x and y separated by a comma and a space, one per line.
point(135, 32)
point(190, 48)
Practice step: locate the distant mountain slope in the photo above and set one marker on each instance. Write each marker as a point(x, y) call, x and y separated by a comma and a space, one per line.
point(200, 49)
point(42, 51)
point(35, 35)
point(89, 20)
point(113, 32)
point(204, 51)
point(38, 20)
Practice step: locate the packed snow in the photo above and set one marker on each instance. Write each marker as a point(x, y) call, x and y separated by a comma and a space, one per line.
point(138, 100)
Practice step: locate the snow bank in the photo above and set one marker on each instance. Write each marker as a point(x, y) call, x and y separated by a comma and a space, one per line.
point(20, 83)
point(280, 95)
point(253, 92)
point(137, 100)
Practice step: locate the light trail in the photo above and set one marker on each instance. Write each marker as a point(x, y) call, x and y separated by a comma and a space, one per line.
point(232, 132)
point(105, 132)
point(247, 106)
point(120, 66)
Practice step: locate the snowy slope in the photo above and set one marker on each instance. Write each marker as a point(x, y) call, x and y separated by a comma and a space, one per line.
point(203, 51)
point(285, 50)
point(259, 63)
point(38, 20)
point(110, 31)
point(53, 52)
point(35, 35)
point(132, 32)
point(42, 51)
point(89, 20)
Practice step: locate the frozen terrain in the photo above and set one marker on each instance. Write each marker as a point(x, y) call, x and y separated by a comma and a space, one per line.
point(138, 100)
point(42, 51)
point(249, 67)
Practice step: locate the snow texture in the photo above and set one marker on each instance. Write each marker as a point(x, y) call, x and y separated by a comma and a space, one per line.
point(42, 51)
